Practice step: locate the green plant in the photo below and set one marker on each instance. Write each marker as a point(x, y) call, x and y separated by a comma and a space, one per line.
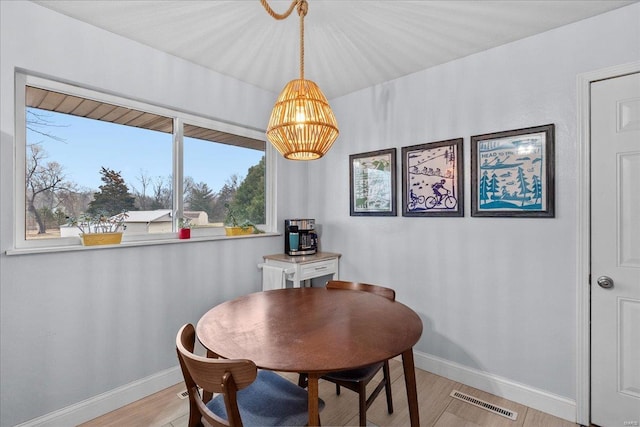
point(232, 221)
point(256, 230)
point(100, 223)
point(185, 223)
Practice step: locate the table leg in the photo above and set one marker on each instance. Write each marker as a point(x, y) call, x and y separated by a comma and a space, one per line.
point(410, 382)
point(312, 388)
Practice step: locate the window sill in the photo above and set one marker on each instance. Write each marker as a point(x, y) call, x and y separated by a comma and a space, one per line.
point(137, 243)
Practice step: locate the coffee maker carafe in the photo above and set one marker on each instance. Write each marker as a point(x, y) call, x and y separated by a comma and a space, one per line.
point(300, 237)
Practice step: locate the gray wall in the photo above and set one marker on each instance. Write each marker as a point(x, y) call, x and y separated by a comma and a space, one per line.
point(495, 295)
point(78, 324)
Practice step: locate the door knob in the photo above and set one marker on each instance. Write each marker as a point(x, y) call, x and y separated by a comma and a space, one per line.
point(605, 282)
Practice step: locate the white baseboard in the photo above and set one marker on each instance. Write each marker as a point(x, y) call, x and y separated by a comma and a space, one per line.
point(106, 402)
point(541, 400)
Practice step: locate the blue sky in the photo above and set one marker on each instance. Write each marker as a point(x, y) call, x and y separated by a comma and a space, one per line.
point(90, 144)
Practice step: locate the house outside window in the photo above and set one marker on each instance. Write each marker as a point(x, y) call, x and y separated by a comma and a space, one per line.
point(82, 152)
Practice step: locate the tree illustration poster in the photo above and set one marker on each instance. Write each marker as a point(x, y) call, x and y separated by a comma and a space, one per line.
point(372, 177)
point(512, 173)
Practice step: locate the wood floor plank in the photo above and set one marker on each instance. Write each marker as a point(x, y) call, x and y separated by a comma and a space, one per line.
point(482, 417)
point(183, 421)
point(436, 407)
point(433, 399)
point(157, 409)
point(451, 420)
point(537, 418)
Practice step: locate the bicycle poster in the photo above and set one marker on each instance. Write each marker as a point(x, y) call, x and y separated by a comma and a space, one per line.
point(432, 179)
point(512, 173)
point(373, 183)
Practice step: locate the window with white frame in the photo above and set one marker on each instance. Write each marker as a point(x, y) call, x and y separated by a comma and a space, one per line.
point(85, 153)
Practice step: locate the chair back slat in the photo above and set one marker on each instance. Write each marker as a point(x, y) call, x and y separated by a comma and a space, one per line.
point(365, 287)
point(213, 376)
point(357, 379)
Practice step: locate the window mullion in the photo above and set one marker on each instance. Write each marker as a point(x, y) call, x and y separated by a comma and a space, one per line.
point(178, 169)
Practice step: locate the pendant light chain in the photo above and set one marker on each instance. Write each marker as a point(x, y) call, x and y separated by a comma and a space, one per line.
point(303, 8)
point(276, 15)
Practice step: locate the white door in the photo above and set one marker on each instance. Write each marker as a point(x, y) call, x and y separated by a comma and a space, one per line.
point(615, 251)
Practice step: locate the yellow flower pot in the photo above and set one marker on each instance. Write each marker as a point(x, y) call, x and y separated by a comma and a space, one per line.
point(238, 231)
point(94, 239)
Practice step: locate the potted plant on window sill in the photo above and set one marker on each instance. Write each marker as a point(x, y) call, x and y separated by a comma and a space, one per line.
point(234, 228)
point(184, 228)
point(100, 229)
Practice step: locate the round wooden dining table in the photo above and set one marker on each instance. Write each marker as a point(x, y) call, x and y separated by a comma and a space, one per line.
point(314, 331)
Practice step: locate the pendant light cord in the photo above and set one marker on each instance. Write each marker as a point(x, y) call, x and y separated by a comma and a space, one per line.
point(303, 7)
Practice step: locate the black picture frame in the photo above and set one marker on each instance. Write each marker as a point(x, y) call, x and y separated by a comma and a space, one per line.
point(433, 179)
point(513, 173)
point(372, 183)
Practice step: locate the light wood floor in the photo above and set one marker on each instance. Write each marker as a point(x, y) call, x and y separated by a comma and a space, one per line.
point(437, 408)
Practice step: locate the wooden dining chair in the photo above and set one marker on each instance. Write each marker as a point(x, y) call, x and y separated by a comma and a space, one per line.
point(358, 379)
point(245, 395)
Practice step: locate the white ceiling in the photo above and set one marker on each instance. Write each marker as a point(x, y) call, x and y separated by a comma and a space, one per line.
point(349, 45)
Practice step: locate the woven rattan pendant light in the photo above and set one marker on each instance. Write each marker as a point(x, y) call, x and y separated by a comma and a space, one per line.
point(302, 125)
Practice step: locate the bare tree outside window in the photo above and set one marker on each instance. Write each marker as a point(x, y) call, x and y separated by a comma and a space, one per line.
point(86, 156)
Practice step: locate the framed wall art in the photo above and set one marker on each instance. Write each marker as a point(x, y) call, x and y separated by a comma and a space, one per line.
point(432, 179)
point(512, 173)
point(372, 186)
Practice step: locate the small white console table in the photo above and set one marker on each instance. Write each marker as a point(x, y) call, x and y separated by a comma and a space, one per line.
point(306, 267)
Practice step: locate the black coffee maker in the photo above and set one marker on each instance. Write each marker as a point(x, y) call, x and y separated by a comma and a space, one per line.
point(300, 237)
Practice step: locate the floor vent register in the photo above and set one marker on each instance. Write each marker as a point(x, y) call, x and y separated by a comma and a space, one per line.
point(507, 413)
point(185, 393)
